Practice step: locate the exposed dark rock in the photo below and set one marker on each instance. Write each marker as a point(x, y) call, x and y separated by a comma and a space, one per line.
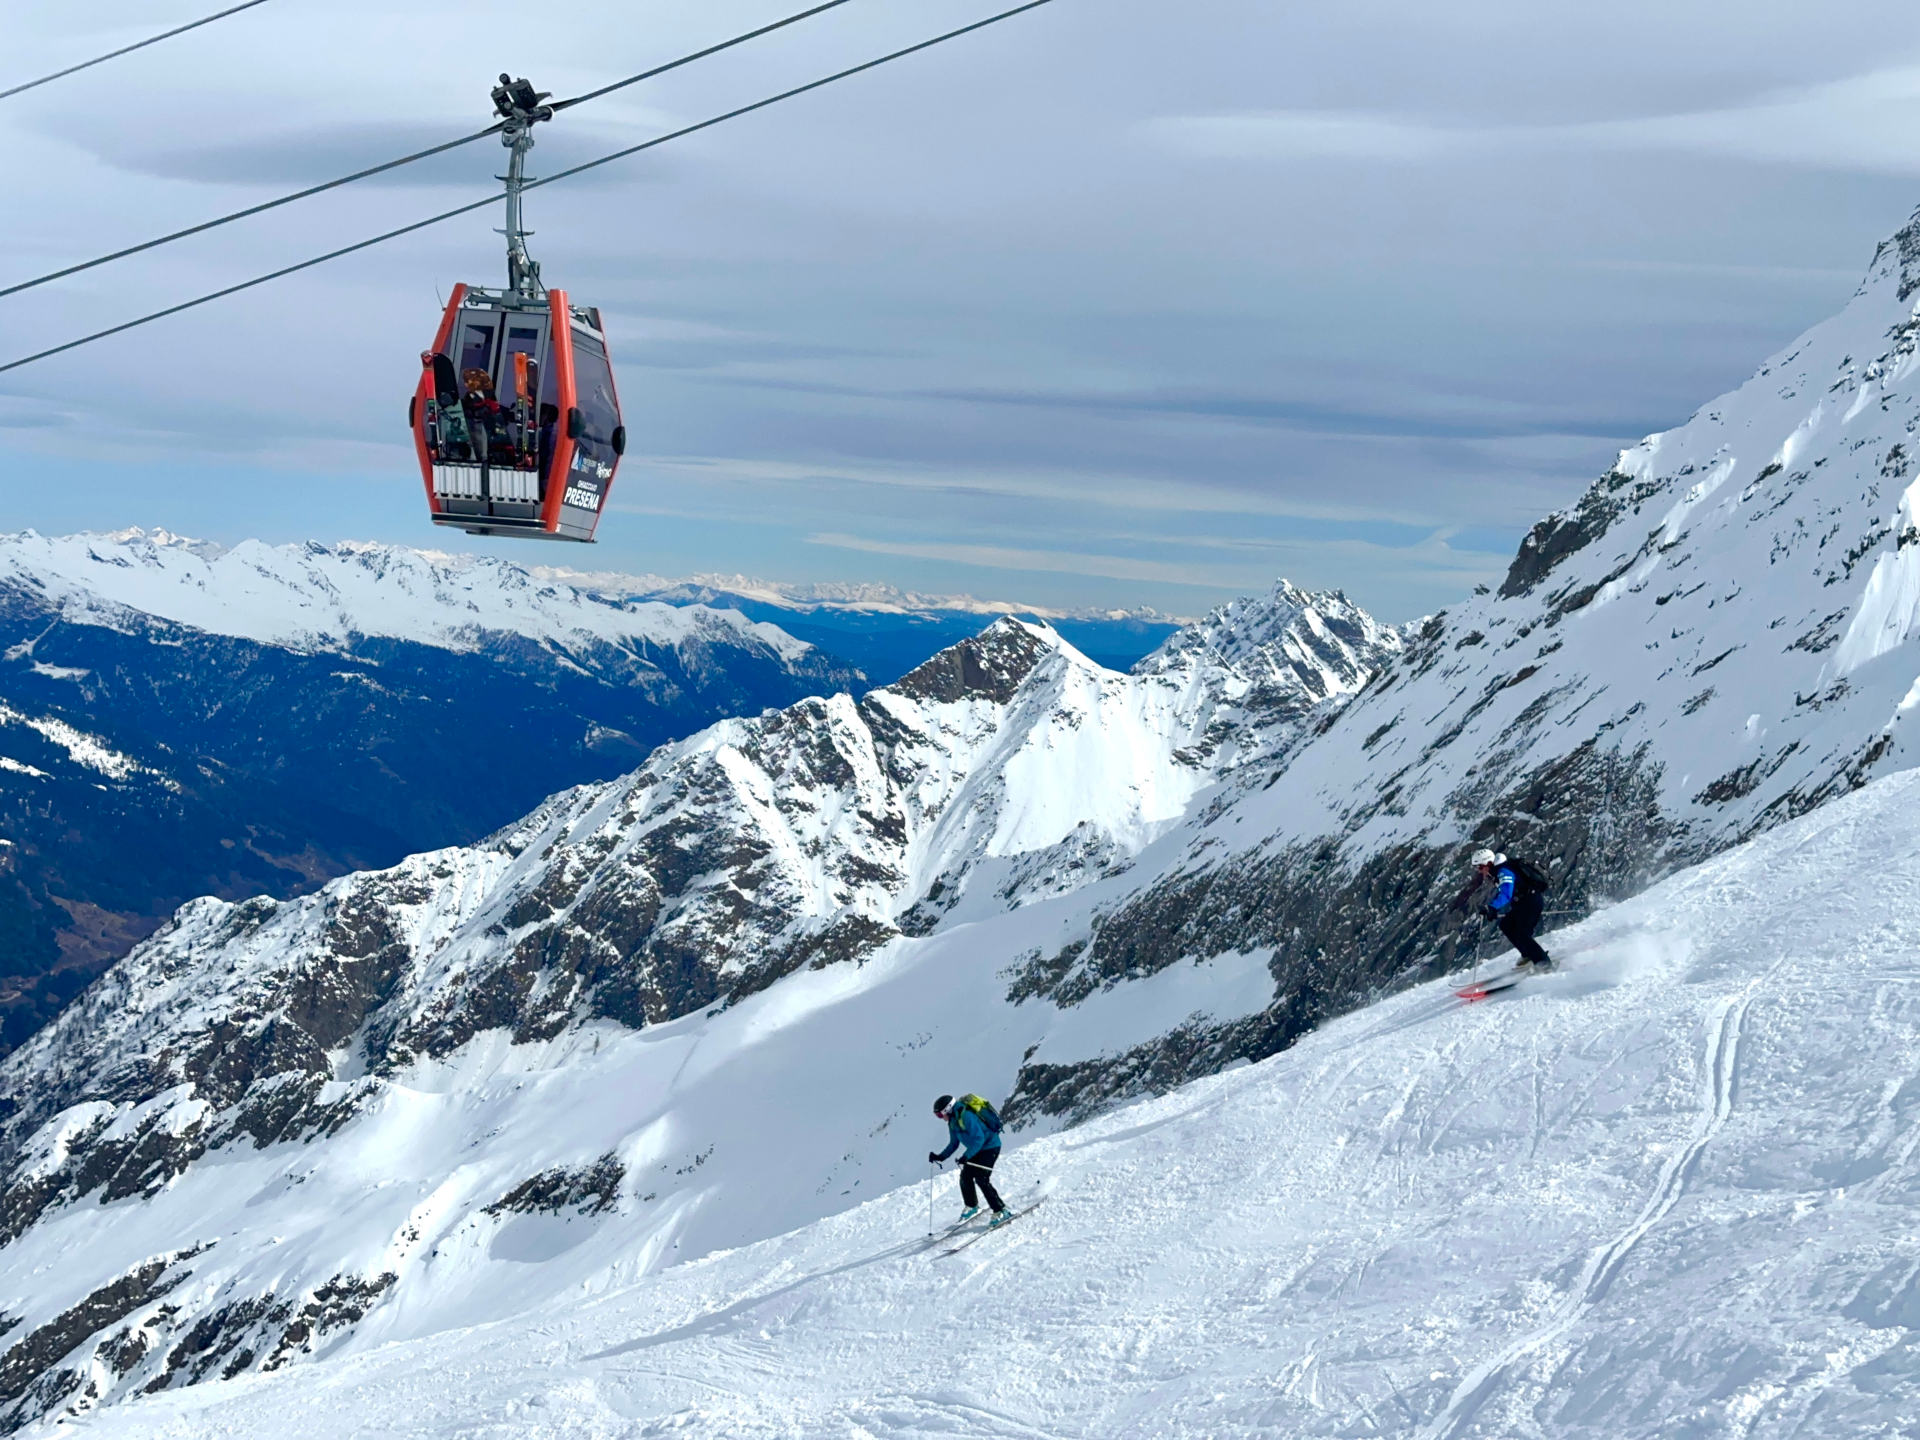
point(216, 1339)
point(334, 1305)
point(588, 1189)
point(1566, 532)
point(228, 1340)
point(1900, 253)
point(36, 1357)
point(990, 666)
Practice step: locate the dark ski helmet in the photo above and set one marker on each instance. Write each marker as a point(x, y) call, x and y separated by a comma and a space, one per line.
point(942, 1105)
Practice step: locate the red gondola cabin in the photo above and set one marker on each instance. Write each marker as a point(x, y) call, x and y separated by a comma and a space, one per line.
point(516, 420)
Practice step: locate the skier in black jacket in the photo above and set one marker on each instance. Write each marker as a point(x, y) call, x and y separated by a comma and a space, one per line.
point(1515, 897)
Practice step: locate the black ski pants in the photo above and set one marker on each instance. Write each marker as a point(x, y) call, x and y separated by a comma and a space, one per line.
point(974, 1172)
point(1519, 923)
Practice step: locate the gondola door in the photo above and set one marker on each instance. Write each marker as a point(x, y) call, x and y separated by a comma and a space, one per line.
point(590, 437)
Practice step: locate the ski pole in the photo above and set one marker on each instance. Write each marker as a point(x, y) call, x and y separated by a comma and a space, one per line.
point(933, 1176)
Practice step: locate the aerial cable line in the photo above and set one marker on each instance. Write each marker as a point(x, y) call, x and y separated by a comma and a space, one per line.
point(555, 178)
point(432, 150)
point(154, 244)
point(129, 49)
point(697, 55)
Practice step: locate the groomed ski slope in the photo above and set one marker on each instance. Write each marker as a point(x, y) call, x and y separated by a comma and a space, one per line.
point(1673, 1190)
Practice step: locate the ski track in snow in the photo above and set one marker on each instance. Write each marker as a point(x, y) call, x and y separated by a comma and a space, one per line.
point(1716, 1104)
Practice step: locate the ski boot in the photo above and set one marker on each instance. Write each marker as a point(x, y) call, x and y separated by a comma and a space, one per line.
point(967, 1214)
point(1000, 1217)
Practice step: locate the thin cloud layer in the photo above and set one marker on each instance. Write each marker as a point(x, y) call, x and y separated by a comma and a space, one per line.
point(1865, 122)
point(1117, 303)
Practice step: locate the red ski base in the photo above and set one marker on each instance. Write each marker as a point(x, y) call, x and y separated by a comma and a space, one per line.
point(1492, 985)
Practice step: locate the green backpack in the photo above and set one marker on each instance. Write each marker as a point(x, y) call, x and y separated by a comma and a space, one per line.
point(988, 1116)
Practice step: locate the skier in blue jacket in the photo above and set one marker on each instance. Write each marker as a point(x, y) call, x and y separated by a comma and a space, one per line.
point(969, 1132)
point(1515, 899)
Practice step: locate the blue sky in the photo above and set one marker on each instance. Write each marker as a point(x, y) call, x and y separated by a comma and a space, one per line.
point(1121, 303)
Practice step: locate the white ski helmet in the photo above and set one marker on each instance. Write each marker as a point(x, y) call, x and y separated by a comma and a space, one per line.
point(1486, 857)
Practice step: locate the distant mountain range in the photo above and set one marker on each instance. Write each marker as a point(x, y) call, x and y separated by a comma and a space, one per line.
point(883, 630)
point(180, 719)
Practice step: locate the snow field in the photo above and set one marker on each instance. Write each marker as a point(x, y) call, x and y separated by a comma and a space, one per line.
point(1666, 1191)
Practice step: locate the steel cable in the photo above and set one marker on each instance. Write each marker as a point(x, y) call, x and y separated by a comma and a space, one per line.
point(555, 178)
point(267, 205)
point(129, 49)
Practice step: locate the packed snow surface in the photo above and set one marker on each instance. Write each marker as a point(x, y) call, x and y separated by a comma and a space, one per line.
point(1666, 1191)
point(318, 596)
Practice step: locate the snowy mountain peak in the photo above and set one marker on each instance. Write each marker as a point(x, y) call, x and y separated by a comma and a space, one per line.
point(1320, 642)
point(1786, 418)
point(990, 666)
point(1896, 262)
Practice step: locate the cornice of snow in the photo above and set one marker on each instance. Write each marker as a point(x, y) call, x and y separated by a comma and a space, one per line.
point(314, 597)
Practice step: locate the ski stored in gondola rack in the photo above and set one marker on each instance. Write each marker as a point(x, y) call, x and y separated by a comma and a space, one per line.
point(515, 418)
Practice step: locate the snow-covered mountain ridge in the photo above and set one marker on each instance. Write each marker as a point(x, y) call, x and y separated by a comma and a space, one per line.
point(802, 838)
point(316, 596)
point(1666, 1192)
point(882, 629)
point(1714, 638)
point(828, 594)
point(177, 719)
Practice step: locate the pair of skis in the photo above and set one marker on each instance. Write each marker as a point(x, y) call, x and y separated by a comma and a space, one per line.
point(974, 1232)
point(1481, 988)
